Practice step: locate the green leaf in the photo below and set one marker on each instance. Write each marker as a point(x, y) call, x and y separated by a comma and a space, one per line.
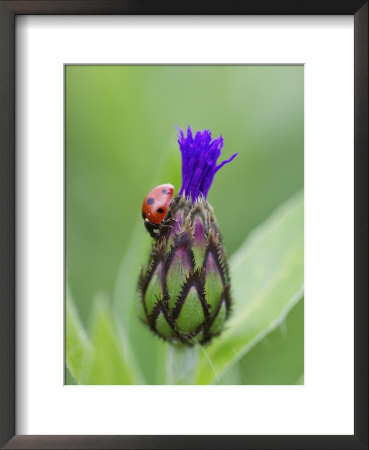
point(267, 281)
point(78, 347)
point(113, 361)
point(277, 359)
point(300, 380)
point(69, 378)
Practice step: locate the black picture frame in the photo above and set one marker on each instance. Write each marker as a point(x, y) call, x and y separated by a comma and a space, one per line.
point(8, 12)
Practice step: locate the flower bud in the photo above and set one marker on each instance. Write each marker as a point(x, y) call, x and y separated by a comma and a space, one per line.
point(184, 291)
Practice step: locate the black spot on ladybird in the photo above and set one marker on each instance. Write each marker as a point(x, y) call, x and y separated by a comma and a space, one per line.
point(150, 201)
point(165, 191)
point(160, 210)
point(143, 215)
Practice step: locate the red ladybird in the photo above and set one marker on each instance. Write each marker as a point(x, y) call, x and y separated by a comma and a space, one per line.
point(155, 207)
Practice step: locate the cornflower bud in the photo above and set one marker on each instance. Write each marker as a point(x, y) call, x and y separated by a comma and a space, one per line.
point(184, 290)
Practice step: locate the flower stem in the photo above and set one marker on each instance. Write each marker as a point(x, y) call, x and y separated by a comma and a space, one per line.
point(181, 364)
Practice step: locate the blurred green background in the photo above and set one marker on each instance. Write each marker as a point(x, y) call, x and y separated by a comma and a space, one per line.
point(121, 141)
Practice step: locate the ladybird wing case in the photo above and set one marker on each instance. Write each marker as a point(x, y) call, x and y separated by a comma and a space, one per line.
point(156, 203)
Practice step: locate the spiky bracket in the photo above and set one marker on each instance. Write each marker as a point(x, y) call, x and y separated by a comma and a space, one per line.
point(184, 291)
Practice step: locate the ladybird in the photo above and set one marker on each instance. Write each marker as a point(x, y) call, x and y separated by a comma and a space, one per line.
point(155, 207)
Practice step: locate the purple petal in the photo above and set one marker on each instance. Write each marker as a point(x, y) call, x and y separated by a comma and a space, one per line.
point(225, 162)
point(199, 161)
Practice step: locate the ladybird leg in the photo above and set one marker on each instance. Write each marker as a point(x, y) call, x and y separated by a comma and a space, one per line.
point(166, 222)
